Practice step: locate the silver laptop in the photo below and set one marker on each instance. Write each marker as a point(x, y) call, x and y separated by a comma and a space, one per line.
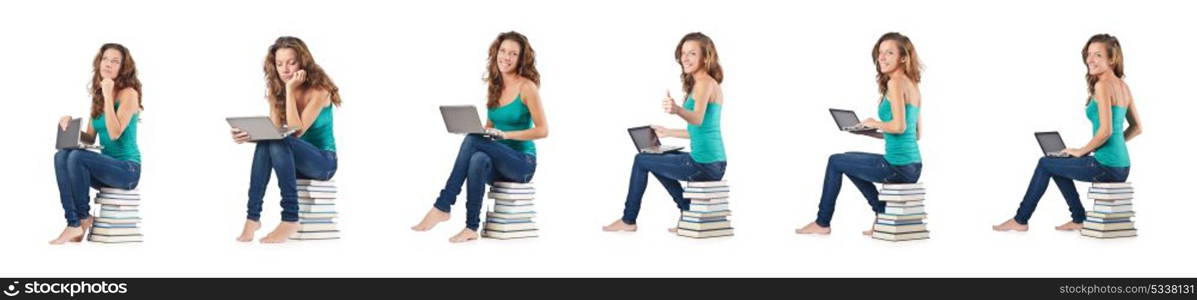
point(72, 136)
point(646, 141)
point(462, 119)
point(1051, 143)
point(260, 128)
point(846, 120)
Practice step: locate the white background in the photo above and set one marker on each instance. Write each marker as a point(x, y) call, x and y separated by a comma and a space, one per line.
point(995, 73)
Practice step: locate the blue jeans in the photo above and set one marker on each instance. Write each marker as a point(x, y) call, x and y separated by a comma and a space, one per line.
point(78, 169)
point(482, 161)
point(290, 158)
point(863, 169)
point(669, 168)
point(1063, 171)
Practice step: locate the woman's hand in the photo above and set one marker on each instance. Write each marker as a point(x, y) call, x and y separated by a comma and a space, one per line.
point(661, 131)
point(64, 122)
point(871, 123)
point(239, 136)
point(1075, 152)
point(106, 86)
point(496, 133)
point(296, 80)
point(669, 105)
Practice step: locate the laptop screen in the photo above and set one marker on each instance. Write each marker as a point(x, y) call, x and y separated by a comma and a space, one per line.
point(844, 118)
point(644, 137)
point(1050, 141)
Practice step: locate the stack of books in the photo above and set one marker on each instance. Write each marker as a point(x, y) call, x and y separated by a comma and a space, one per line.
point(707, 216)
point(510, 217)
point(317, 210)
point(1112, 211)
point(118, 220)
point(904, 213)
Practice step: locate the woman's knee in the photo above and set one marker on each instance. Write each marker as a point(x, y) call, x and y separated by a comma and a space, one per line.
point(479, 161)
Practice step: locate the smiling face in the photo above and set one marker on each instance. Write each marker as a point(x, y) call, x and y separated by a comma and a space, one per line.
point(110, 63)
point(286, 62)
point(889, 57)
point(508, 57)
point(692, 57)
point(1097, 58)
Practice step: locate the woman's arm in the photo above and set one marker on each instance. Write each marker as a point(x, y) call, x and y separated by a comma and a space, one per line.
point(702, 95)
point(897, 105)
point(116, 120)
point(1135, 126)
point(317, 99)
point(1104, 127)
point(540, 124)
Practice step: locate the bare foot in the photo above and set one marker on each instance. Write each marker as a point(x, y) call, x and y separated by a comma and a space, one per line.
point(430, 219)
point(247, 233)
point(1009, 225)
point(1069, 226)
point(813, 228)
point(86, 226)
point(280, 234)
point(672, 229)
point(465, 235)
point(867, 232)
point(71, 234)
point(619, 225)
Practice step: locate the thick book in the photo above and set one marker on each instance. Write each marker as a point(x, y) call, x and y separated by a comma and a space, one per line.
point(317, 235)
point(901, 186)
point(491, 214)
point(505, 196)
point(115, 230)
point(1108, 226)
point(99, 238)
point(887, 198)
point(704, 225)
point(512, 191)
point(109, 201)
point(119, 191)
point(510, 226)
point(513, 209)
point(888, 228)
point(919, 216)
point(1109, 234)
point(317, 195)
point(903, 210)
point(507, 235)
point(712, 195)
point(706, 184)
point(708, 207)
point(1113, 208)
point(702, 234)
point(512, 185)
point(906, 236)
point(705, 214)
point(1112, 185)
point(311, 182)
point(1096, 196)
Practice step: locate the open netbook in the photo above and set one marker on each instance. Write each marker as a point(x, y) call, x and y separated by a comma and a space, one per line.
point(260, 128)
point(846, 120)
point(1051, 143)
point(463, 119)
point(72, 136)
point(646, 141)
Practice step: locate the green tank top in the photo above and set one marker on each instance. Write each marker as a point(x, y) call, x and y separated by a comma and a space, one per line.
point(901, 149)
point(706, 140)
point(124, 148)
point(1113, 153)
point(320, 134)
point(513, 117)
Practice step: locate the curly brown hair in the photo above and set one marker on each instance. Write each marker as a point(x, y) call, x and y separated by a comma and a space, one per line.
point(1113, 51)
point(316, 78)
point(913, 66)
point(710, 61)
point(525, 67)
point(126, 77)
